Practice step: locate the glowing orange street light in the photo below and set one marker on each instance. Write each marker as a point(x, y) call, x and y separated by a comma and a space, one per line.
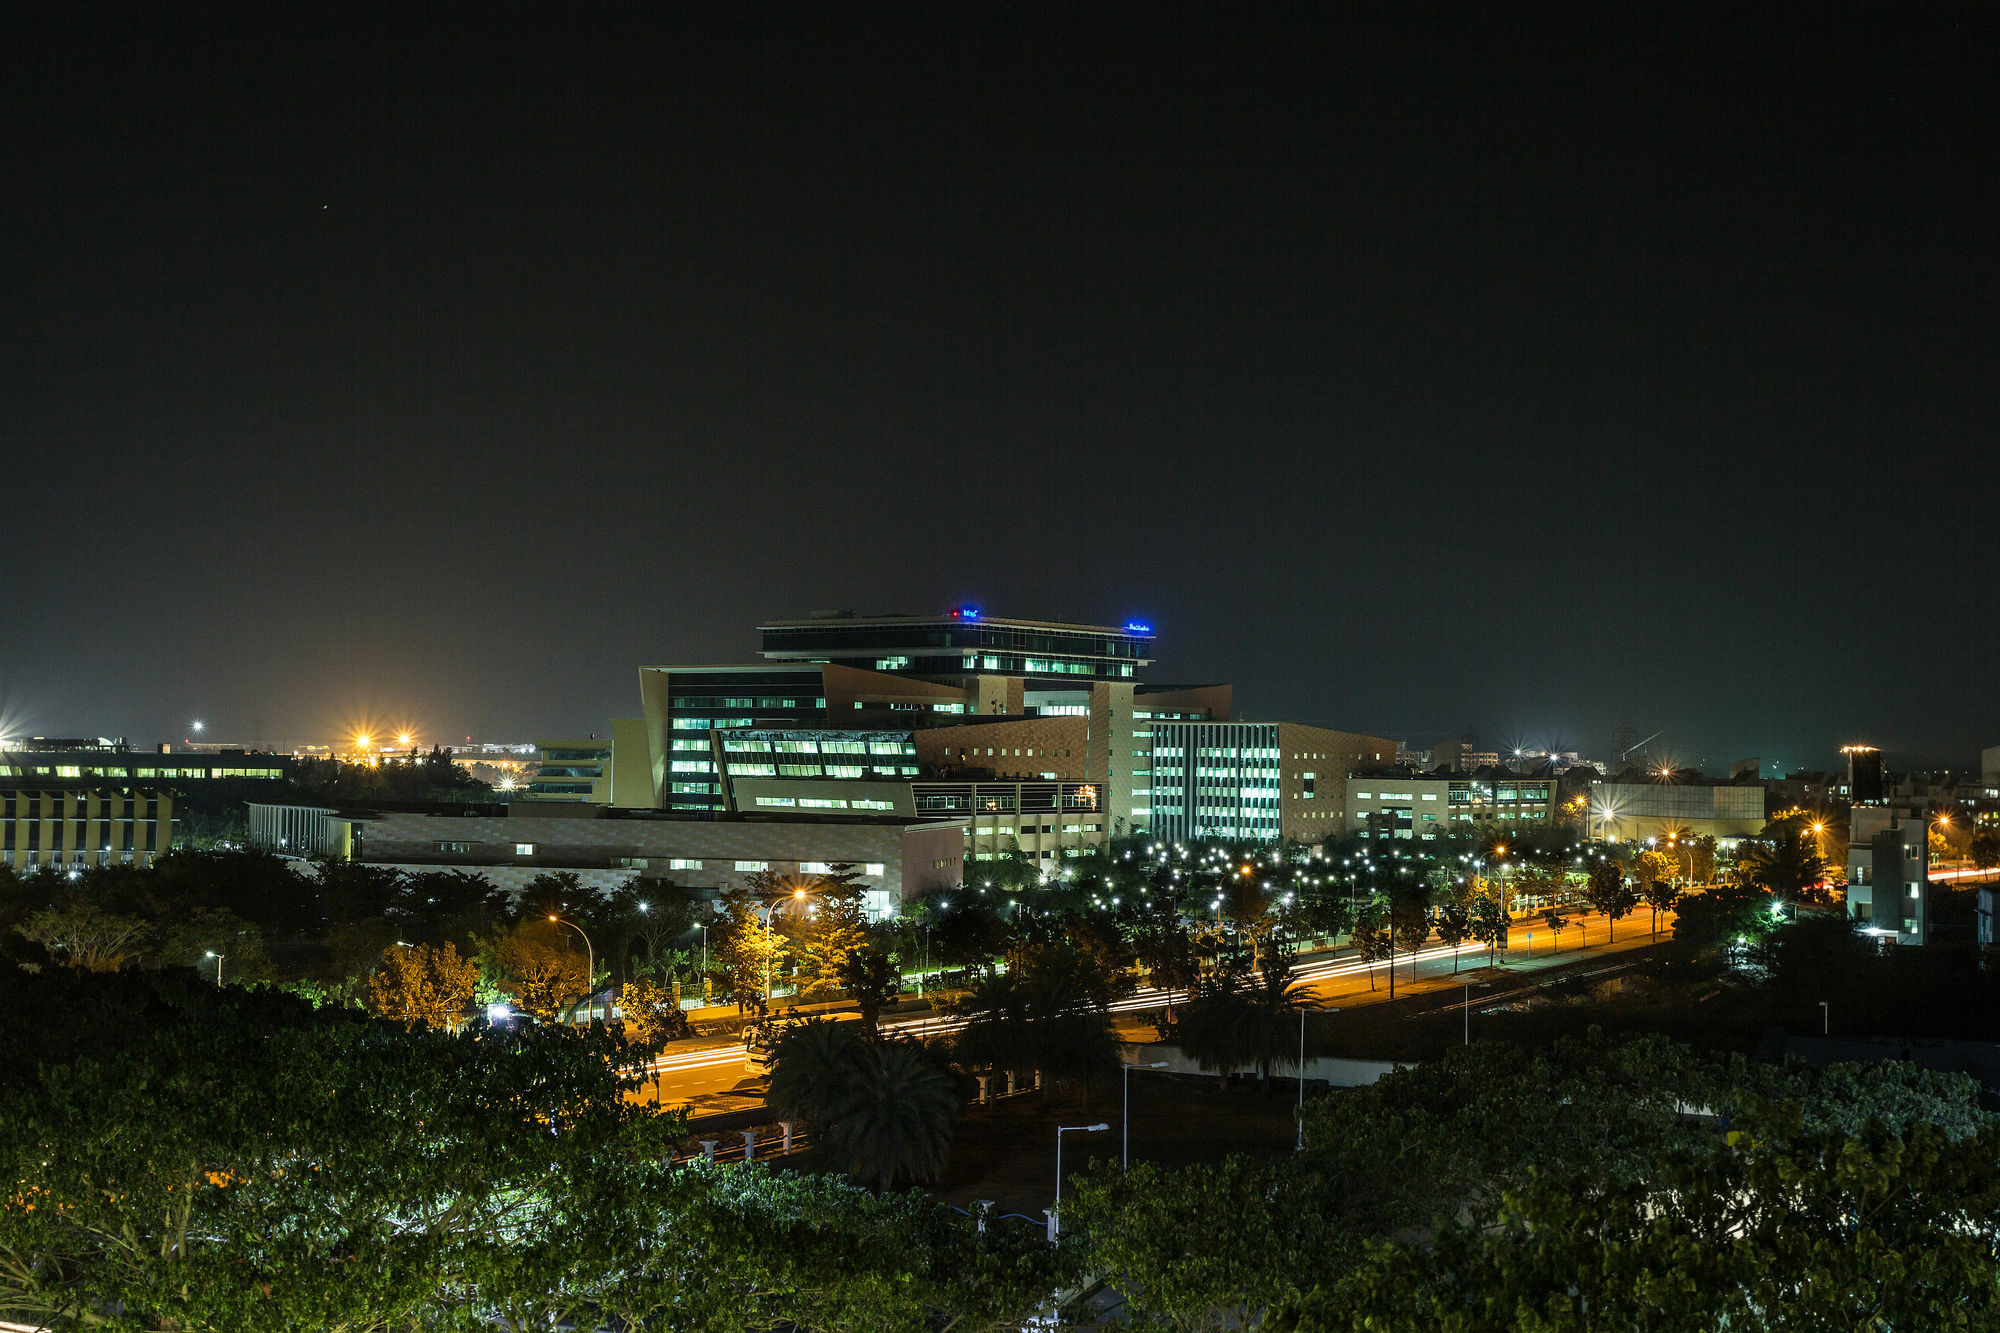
point(403, 738)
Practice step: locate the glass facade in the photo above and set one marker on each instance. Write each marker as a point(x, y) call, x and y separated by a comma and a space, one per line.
point(1215, 780)
point(964, 644)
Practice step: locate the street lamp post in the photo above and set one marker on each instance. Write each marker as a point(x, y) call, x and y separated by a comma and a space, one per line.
point(1061, 1130)
point(218, 967)
point(1124, 1124)
point(1825, 1020)
point(1300, 1146)
point(769, 949)
point(1468, 1009)
point(590, 962)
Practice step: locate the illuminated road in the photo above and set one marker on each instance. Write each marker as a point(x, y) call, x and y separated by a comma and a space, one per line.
point(713, 1079)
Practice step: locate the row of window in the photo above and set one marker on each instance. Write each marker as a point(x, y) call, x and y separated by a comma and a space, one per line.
point(824, 803)
point(125, 773)
point(751, 867)
point(749, 745)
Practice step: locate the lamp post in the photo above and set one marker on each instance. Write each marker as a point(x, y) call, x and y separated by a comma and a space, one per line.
point(1124, 1125)
point(1305, 1009)
point(1061, 1130)
point(1825, 1020)
point(769, 947)
point(1468, 1009)
point(218, 967)
point(590, 962)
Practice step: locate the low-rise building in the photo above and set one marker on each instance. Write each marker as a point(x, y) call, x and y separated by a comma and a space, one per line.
point(509, 845)
point(1634, 811)
point(70, 828)
point(1400, 803)
point(44, 761)
point(1888, 873)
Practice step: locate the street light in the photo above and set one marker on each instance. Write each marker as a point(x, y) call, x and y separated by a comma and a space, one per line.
point(590, 963)
point(1124, 1123)
point(1825, 1020)
point(1061, 1130)
point(218, 967)
point(1305, 1009)
point(1468, 1008)
point(769, 950)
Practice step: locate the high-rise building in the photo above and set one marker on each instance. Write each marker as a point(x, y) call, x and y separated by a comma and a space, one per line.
point(1864, 774)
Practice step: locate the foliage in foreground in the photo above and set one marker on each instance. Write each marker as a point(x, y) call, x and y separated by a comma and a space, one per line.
point(243, 1163)
point(1590, 1186)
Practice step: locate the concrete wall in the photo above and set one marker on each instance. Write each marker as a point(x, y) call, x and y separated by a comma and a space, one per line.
point(1332, 1070)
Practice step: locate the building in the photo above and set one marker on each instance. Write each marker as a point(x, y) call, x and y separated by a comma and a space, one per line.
point(961, 645)
point(509, 845)
point(1888, 870)
point(1404, 804)
point(1633, 811)
point(55, 761)
point(1864, 774)
point(615, 772)
point(1037, 733)
point(70, 828)
point(1264, 781)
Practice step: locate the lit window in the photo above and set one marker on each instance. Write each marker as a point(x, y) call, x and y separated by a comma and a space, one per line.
point(683, 863)
point(524, 849)
point(753, 865)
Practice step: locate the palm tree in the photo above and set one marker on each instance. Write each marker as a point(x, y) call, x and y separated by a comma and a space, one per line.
point(1230, 1019)
point(893, 1118)
point(814, 1063)
point(1784, 860)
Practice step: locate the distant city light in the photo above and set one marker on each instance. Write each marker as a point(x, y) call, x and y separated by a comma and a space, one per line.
point(198, 725)
point(403, 738)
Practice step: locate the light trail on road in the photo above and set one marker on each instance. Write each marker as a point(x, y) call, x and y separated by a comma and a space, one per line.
point(1139, 1001)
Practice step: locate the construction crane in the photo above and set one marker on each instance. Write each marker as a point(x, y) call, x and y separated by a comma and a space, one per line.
point(1628, 749)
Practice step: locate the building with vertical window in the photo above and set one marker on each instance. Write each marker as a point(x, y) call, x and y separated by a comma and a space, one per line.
point(1264, 781)
point(70, 828)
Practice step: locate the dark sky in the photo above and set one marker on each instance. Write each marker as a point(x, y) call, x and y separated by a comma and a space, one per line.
point(1411, 368)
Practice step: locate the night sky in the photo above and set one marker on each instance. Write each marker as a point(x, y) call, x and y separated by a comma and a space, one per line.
point(1414, 369)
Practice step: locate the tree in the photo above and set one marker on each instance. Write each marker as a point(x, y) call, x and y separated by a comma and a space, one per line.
point(1231, 1020)
point(883, 1109)
point(1607, 892)
point(1660, 896)
point(1785, 860)
point(831, 930)
point(545, 976)
point(652, 1015)
point(424, 985)
point(1557, 923)
point(1984, 849)
point(746, 953)
point(893, 1118)
point(1490, 924)
point(1454, 926)
point(239, 1165)
point(82, 936)
point(871, 976)
point(1167, 952)
point(1409, 924)
point(1372, 940)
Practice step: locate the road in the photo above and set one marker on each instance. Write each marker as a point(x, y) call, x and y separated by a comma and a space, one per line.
point(711, 1080)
